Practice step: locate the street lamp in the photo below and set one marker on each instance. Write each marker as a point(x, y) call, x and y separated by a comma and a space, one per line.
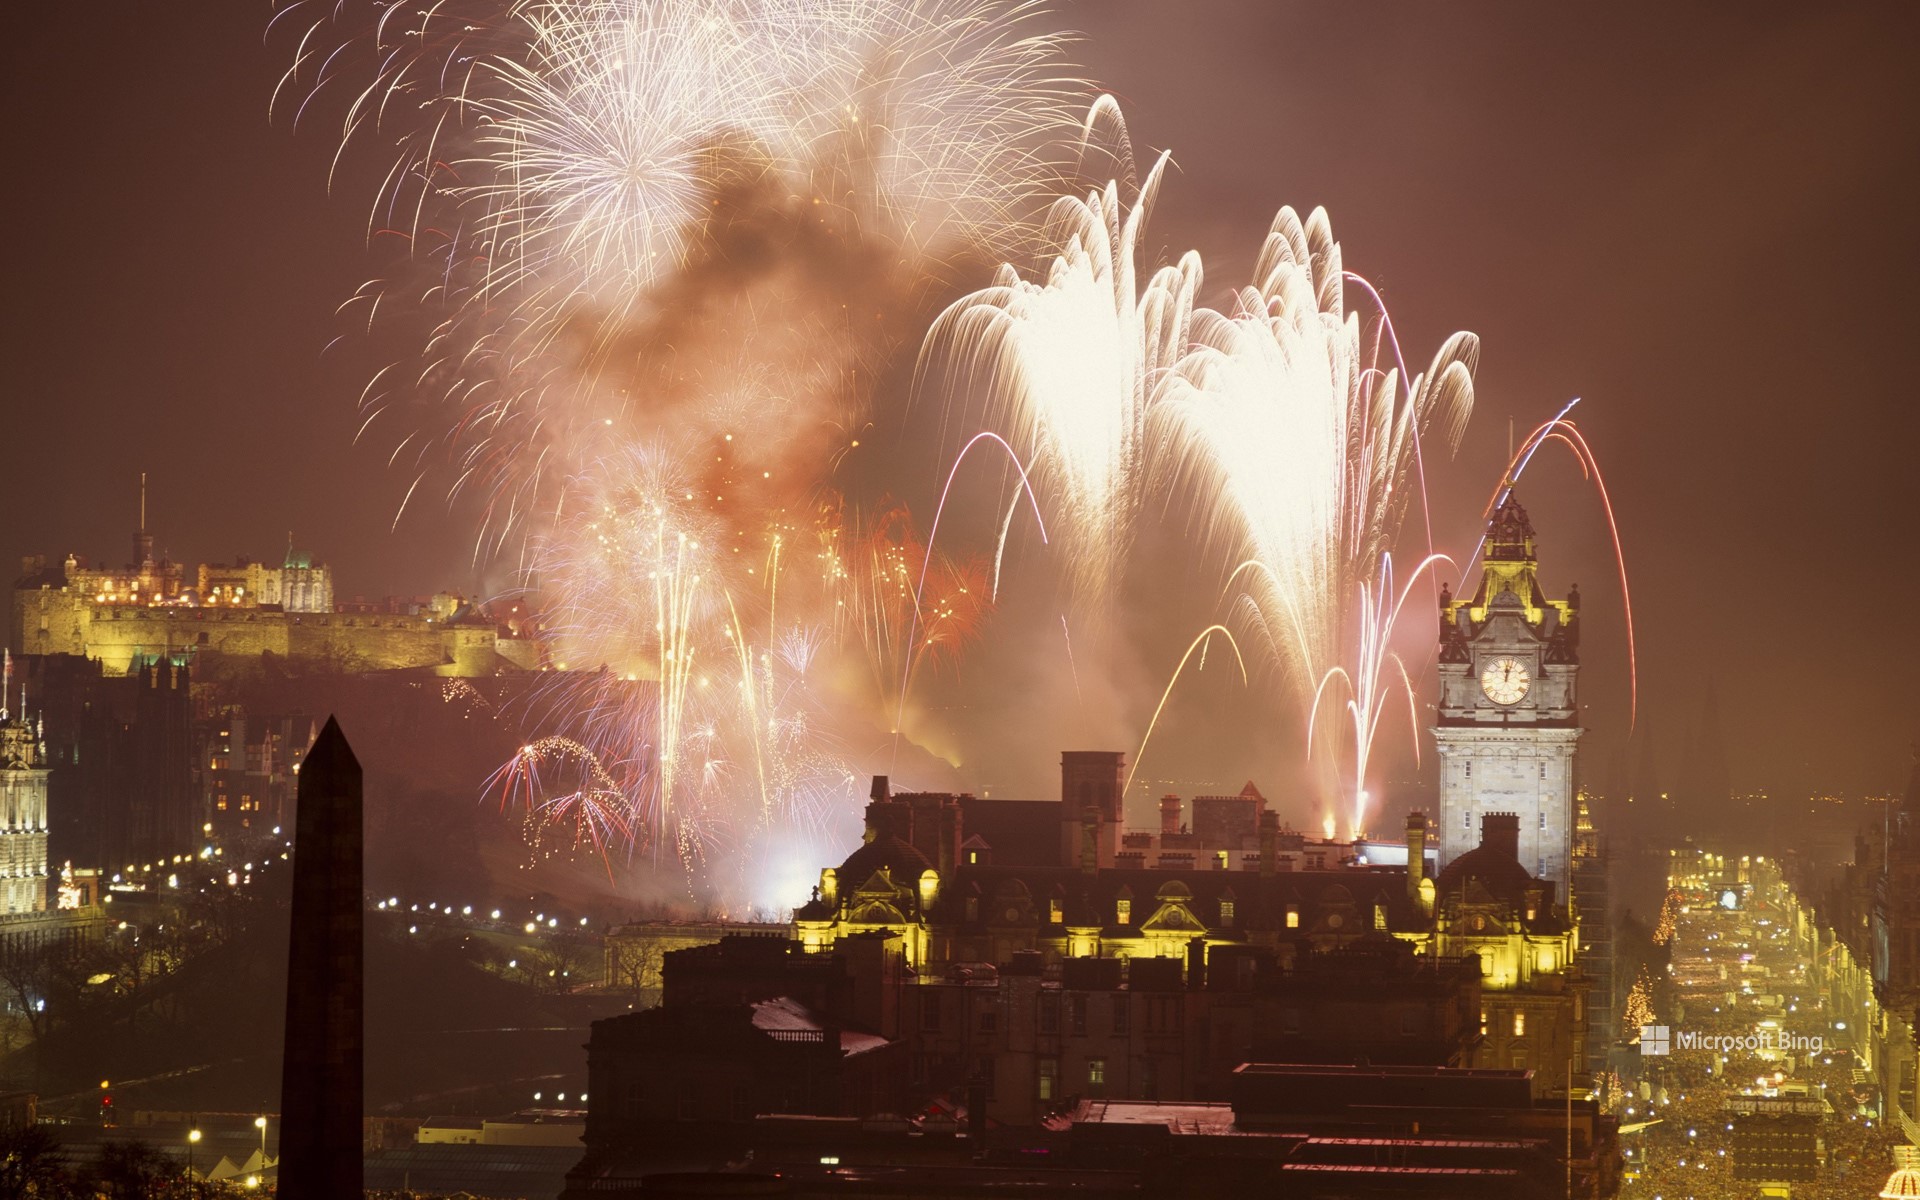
point(260, 1123)
point(193, 1139)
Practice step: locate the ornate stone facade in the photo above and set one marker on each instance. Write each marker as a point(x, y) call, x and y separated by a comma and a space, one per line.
point(23, 817)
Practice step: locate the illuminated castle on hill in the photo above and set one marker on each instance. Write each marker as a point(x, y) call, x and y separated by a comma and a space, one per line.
point(146, 612)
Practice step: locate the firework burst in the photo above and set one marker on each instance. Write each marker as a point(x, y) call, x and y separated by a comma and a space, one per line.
point(1304, 454)
point(567, 170)
point(1070, 363)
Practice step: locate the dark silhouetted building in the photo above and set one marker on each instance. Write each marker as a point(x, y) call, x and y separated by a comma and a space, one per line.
point(120, 748)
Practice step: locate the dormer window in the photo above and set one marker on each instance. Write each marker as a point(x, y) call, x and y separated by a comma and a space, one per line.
point(1226, 914)
point(1123, 911)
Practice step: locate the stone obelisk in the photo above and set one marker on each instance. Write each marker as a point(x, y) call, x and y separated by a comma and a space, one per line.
point(321, 1079)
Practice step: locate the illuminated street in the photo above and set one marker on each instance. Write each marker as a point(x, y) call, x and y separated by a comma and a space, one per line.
point(1760, 1064)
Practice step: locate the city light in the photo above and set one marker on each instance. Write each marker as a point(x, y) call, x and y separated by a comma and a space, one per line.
point(995, 605)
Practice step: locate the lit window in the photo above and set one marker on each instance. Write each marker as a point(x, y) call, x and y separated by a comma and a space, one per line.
point(1519, 1024)
point(1123, 911)
point(1293, 916)
point(1055, 911)
point(1097, 1076)
point(1049, 1077)
point(1226, 914)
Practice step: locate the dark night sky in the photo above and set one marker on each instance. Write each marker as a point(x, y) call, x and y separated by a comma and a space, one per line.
point(1699, 217)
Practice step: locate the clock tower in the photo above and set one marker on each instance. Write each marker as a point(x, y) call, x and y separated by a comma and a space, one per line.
point(1508, 718)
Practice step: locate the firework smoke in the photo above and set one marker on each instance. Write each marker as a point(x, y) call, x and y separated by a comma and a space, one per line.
point(670, 256)
point(758, 186)
point(669, 248)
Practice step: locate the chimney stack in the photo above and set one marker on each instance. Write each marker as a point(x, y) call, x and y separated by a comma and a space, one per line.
point(1501, 832)
point(884, 819)
point(1090, 840)
point(1416, 852)
point(950, 830)
point(1169, 815)
point(1094, 777)
point(1269, 842)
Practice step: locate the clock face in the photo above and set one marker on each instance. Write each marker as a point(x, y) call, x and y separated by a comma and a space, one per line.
point(1505, 680)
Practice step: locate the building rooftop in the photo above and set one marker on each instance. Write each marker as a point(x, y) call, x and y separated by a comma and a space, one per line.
point(784, 1015)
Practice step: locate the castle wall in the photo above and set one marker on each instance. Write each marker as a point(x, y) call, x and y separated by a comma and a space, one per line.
point(49, 621)
point(58, 621)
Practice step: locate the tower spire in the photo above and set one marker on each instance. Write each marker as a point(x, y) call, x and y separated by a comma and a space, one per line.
point(142, 540)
